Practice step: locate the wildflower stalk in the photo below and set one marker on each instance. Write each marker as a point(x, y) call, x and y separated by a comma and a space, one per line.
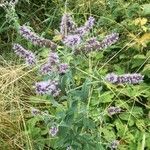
point(134, 78)
point(92, 44)
point(29, 57)
point(35, 39)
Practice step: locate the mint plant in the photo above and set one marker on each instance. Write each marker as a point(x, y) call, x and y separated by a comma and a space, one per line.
point(91, 104)
point(71, 126)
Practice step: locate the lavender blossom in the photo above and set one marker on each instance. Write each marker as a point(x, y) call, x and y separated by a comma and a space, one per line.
point(135, 78)
point(47, 87)
point(53, 131)
point(53, 58)
point(91, 44)
point(90, 22)
point(29, 57)
point(50, 65)
point(62, 68)
point(67, 24)
point(111, 77)
point(85, 29)
point(113, 110)
point(81, 31)
point(35, 39)
point(46, 68)
point(109, 40)
point(35, 112)
point(72, 40)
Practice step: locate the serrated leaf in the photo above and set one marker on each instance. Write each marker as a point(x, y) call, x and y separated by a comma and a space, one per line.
point(105, 97)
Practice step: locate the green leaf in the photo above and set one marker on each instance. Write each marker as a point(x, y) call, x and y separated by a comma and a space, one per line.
point(69, 116)
point(138, 60)
point(85, 91)
point(137, 112)
point(105, 97)
point(108, 134)
point(121, 128)
point(146, 9)
point(146, 70)
point(127, 117)
point(140, 124)
point(31, 123)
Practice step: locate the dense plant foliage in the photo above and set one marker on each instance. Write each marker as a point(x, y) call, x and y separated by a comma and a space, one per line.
point(82, 70)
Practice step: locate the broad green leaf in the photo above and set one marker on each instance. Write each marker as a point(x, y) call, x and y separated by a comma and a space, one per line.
point(146, 9)
point(105, 97)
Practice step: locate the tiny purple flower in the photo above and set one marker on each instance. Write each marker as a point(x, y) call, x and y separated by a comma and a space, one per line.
point(81, 31)
point(109, 40)
point(72, 40)
point(53, 58)
point(113, 110)
point(29, 57)
point(35, 112)
point(92, 41)
point(46, 68)
point(53, 131)
point(62, 68)
point(47, 87)
point(111, 77)
point(85, 29)
point(90, 22)
point(67, 24)
point(91, 45)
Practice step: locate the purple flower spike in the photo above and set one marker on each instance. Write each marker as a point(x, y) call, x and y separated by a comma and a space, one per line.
point(92, 41)
point(46, 68)
point(53, 58)
point(72, 40)
point(35, 39)
point(91, 45)
point(29, 57)
point(135, 78)
point(53, 131)
point(47, 87)
point(90, 22)
point(130, 78)
point(81, 31)
point(67, 24)
point(85, 29)
point(109, 40)
point(113, 110)
point(63, 68)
